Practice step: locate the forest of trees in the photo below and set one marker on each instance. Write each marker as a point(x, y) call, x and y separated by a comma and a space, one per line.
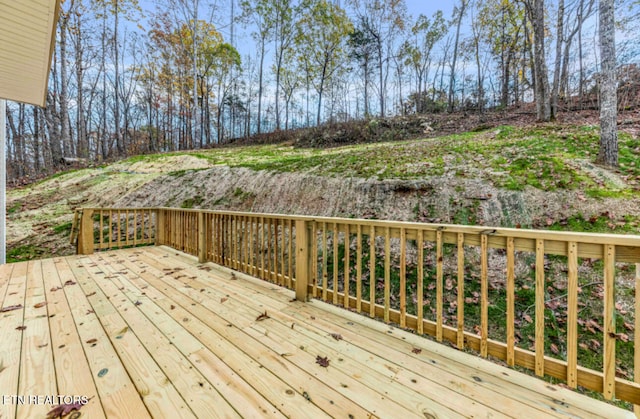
point(126, 79)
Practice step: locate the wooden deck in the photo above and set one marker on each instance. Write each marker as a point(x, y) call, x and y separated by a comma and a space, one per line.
point(150, 332)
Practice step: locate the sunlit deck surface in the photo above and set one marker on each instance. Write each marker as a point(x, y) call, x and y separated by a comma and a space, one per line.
point(150, 332)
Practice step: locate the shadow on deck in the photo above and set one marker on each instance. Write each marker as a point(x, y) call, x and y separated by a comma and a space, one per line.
point(150, 332)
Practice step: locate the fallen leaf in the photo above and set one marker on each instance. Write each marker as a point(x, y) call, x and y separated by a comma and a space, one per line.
point(91, 294)
point(69, 282)
point(54, 289)
point(90, 341)
point(336, 336)
point(11, 308)
point(63, 410)
point(416, 350)
point(21, 327)
point(527, 318)
point(41, 304)
point(137, 303)
point(222, 300)
point(172, 307)
point(323, 362)
point(554, 348)
point(263, 316)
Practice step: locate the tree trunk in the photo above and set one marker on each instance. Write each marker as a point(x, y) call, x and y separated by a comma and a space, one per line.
point(557, 65)
point(260, 71)
point(452, 76)
point(64, 88)
point(543, 103)
point(608, 153)
point(81, 126)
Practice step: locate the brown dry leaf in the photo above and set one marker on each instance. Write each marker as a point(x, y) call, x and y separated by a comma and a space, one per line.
point(263, 316)
point(222, 300)
point(54, 289)
point(527, 318)
point(416, 350)
point(11, 308)
point(628, 326)
point(63, 410)
point(336, 336)
point(90, 341)
point(21, 327)
point(40, 304)
point(69, 282)
point(172, 307)
point(554, 348)
point(137, 303)
point(323, 362)
point(91, 294)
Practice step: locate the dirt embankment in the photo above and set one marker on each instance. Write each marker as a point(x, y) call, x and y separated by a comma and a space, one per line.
point(40, 214)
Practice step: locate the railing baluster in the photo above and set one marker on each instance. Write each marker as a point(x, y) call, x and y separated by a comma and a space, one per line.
point(372, 270)
point(439, 285)
point(387, 273)
point(484, 296)
point(314, 256)
point(572, 315)
point(539, 334)
point(335, 263)
point(262, 252)
point(291, 256)
point(276, 251)
point(100, 233)
point(119, 228)
point(511, 340)
point(636, 339)
point(460, 307)
point(135, 227)
point(609, 383)
point(403, 278)
point(420, 281)
point(359, 269)
point(110, 228)
point(270, 250)
point(325, 273)
point(346, 265)
point(282, 260)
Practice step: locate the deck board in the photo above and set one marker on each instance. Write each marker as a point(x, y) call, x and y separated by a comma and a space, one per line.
point(150, 332)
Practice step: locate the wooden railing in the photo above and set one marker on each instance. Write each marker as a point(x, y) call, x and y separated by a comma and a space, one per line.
point(542, 300)
point(113, 228)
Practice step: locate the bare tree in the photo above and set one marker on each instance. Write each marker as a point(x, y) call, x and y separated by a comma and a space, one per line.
point(608, 153)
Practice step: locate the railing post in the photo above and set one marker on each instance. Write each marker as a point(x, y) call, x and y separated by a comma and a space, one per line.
point(85, 233)
point(159, 227)
point(202, 237)
point(303, 260)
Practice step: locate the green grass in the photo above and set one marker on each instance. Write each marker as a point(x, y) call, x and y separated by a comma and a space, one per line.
point(64, 228)
point(542, 157)
point(192, 202)
point(24, 252)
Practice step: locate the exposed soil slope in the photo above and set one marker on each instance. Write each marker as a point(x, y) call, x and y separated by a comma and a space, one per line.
point(539, 176)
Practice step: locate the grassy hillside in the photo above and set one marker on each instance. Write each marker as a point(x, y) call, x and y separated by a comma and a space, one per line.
point(512, 167)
